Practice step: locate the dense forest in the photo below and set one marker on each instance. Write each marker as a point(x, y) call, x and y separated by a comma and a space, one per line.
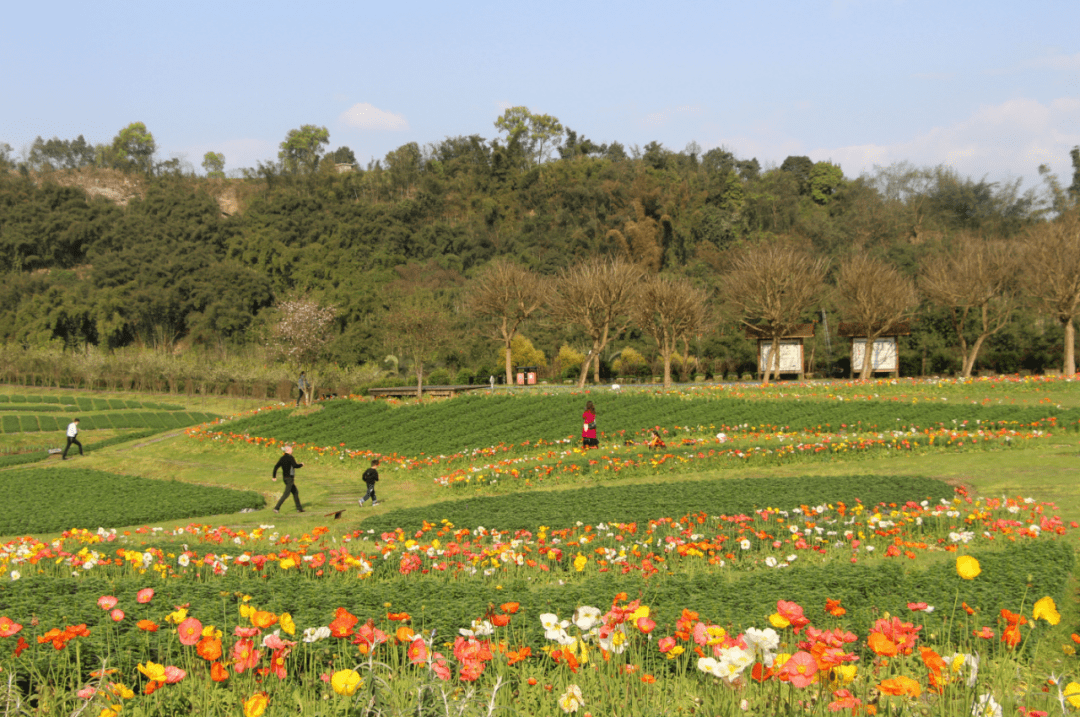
point(104, 246)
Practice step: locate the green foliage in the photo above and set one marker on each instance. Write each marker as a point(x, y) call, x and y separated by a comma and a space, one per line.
point(214, 164)
point(302, 148)
point(641, 503)
point(47, 500)
point(434, 428)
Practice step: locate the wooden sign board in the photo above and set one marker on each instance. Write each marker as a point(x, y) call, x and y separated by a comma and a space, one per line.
point(883, 358)
point(791, 355)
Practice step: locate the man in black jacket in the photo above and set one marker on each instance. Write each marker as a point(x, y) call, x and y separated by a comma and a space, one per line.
point(371, 477)
point(288, 466)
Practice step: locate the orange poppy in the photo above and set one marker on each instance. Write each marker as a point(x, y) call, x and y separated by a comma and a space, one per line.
point(209, 648)
point(263, 619)
point(833, 608)
point(147, 625)
point(881, 644)
point(510, 607)
point(218, 673)
point(901, 686)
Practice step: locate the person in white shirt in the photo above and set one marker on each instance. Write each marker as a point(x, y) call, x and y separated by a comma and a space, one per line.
point(72, 436)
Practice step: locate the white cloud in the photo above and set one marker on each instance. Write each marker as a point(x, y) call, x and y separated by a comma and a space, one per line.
point(1001, 141)
point(367, 116)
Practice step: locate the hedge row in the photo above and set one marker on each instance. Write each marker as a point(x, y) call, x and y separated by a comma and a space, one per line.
point(47, 500)
point(644, 502)
point(83, 403)
point(161, 421)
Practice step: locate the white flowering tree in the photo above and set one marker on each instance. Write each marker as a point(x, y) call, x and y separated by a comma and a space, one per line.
point(302, 333)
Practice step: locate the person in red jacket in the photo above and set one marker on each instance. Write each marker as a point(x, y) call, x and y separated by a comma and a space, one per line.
point(588, 431)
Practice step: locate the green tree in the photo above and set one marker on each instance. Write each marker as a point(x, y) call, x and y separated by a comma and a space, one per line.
point(302, 149)
point(825, 179)
point(214, 164)
point(1074, 188)
point(538, 135)
point(133, 149)
point(6, 160)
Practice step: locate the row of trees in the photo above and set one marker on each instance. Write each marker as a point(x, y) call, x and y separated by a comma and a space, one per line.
point(776, 286)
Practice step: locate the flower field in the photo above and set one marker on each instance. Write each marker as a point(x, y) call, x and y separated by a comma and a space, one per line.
point(524, 579)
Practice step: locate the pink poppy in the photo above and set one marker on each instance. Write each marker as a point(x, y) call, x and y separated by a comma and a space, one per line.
point(646, 625)
point(8, 627)
point(665, 644)
point(107, 602)
point(189, 631)
point(245, 656)
point(145, 595)
point(246, 631)
point(174, 674)
point(87, 692)
point(117, 615)
point(800, 669)
point(917, 606)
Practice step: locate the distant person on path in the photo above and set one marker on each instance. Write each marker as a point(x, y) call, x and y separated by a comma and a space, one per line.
point(288, 466)
point(371, 477)
point(301, 384)
point(588, 431)
point(72, 436)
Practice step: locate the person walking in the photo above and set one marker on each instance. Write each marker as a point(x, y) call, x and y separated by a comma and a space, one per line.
point(72, 439)
point(371, 477)
point(288, 466)
point(588, 431)
point(301, 384)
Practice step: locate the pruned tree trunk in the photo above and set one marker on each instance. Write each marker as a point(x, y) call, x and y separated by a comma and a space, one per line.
point(1070, 348)
point(509, 365)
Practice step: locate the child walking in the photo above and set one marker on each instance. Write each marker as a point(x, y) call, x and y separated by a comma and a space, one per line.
point(371, 477)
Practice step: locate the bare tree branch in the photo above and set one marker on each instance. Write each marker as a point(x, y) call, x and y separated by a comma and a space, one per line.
point(977, 281)
point(510, 295)
point(875, 297)
point(1052, 275)
point(669, 310)
point(770, 287)
point(596, 295)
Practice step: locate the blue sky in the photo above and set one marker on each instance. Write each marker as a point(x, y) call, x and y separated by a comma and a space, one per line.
point(989, 88)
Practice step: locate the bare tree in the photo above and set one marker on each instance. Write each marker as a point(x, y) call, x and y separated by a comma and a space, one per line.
point(977, 281)
point(669, 310)
point(417, 329)
point(1052, 275)
point(302, 333)
point(769, 287)
point(509, 295)
point(875, 297)
point(596, 295)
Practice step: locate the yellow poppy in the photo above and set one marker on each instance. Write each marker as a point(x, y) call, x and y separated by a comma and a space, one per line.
point(346, 682)
point(1045, 609)
point(967, 567)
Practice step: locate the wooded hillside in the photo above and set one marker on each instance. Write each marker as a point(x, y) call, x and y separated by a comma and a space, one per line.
point(169, 268)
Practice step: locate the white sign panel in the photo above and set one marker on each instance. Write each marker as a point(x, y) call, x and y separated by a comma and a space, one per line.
point(882, 359)
point(791, 356)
